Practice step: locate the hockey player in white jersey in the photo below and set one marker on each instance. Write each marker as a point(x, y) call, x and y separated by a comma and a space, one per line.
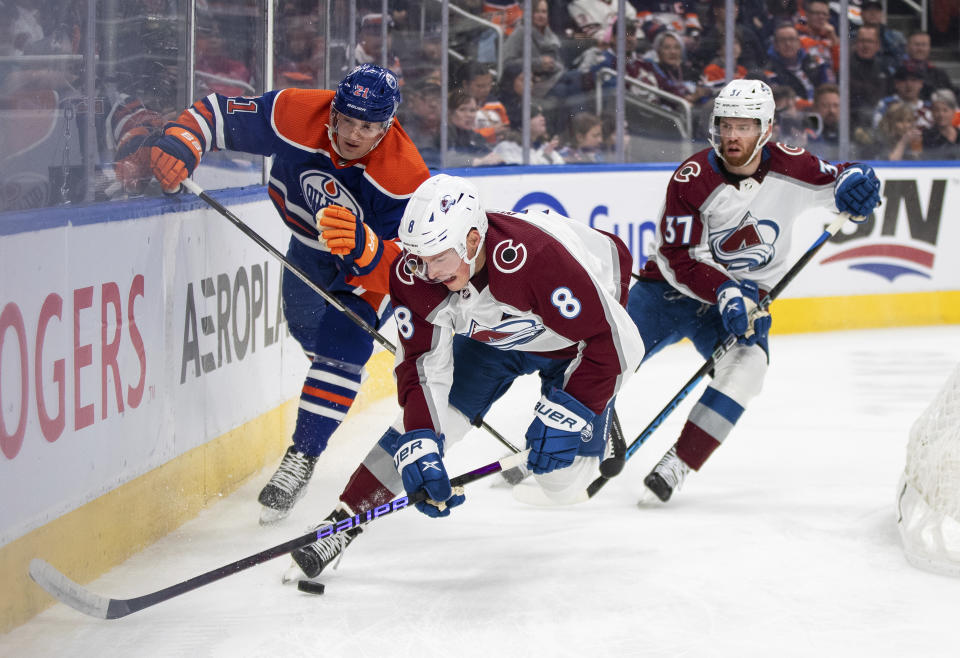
point(481, 298)
point(723, 240)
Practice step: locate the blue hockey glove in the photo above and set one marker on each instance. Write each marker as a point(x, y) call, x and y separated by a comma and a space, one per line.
point(555, 434)
point(417, 456)
point(857, 192)
point(737, 305)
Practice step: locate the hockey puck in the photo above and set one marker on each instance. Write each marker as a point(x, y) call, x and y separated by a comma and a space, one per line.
point(310, 587)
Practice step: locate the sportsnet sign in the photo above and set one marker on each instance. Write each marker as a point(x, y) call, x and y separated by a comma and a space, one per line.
point(900, 238)
point(900, 249)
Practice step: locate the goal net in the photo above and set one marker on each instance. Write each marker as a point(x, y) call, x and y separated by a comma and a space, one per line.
point(929, 493)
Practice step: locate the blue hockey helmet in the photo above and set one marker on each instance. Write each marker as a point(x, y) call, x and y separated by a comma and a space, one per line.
point(368, 93)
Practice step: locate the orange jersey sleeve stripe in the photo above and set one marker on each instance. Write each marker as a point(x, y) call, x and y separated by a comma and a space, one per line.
point(280, 203)
point(187, 119)
point(327, 395)
point(201, 108)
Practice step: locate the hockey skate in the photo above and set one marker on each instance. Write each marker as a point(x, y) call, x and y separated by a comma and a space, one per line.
point(314, 558)
point(286, 487)
point(667, 476)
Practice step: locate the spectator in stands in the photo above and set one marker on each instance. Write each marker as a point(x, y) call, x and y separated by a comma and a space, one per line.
point(753, 53)
point(604, 55)
point(609, 120)
point(789, 64)
point(677, 16)
point(543, 147)
point(545, 50)
point(826, 106)
point(897, 136)
point(765, 15)
point(892, 42)
point(405, 36)
point(217, 69)
point(907, 83)
point(466, 147)
point(789, 126)
point(871, 76)
point(369, 49)
point(420, 116)
point(593, 18)
point(505, 13)
point(586, 139)
point(300, 52)
point(942, 140)
point(671, 72)
point(424, 60)
point(714, 74)
point(826, 103)
point(918, 56)
point(817, 35)
point(477, 80)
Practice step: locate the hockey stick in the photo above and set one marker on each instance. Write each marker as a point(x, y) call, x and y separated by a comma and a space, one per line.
point(83, 600)
point(303, 276)
point(721, 349)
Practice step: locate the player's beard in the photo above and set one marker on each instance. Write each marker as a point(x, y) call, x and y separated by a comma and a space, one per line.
point(744, 155)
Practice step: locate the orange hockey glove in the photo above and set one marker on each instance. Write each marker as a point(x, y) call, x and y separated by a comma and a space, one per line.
point(346, 236)
point(174, 156)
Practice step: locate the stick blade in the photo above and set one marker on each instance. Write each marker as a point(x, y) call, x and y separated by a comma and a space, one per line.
point(67, 591)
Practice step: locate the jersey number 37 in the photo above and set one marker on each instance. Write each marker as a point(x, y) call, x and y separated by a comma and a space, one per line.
point(677, 229)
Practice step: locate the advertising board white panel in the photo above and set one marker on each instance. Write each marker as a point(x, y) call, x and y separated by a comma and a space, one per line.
point(124, 344)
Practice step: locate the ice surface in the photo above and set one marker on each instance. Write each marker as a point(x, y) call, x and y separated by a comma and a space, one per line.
point(784, 545)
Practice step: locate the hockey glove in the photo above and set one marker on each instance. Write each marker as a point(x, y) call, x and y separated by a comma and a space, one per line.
point(554, 436)
point(132, 166)
point(342, 234)
point(857, 191)
point(417, 456)
point(174, 156)
point(738, 305)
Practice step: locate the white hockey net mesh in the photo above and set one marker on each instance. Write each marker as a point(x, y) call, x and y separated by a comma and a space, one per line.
point(929, 494)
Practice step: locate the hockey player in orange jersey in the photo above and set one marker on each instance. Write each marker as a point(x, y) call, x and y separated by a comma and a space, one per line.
point(343, 170)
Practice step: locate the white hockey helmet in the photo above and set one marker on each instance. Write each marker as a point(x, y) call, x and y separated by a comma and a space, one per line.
point(747, 99)
point(439, 216)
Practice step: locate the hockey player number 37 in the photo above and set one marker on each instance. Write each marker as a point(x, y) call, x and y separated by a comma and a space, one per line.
point(671, 226)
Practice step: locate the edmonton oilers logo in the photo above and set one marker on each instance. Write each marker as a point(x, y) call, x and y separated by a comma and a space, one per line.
point(320, 190)
point(509, 258)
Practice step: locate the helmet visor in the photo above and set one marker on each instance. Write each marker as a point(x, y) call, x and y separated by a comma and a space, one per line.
point(433, 269)
point(358, 129)
point(744, 128)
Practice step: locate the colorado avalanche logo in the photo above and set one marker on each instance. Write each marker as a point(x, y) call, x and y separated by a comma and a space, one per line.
point(446, 203)
point(791, 150)
point(320, 190)
point(686, 172)
point(749, 246)
point(509, 258)
point(507, 334)
point(403, 271)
